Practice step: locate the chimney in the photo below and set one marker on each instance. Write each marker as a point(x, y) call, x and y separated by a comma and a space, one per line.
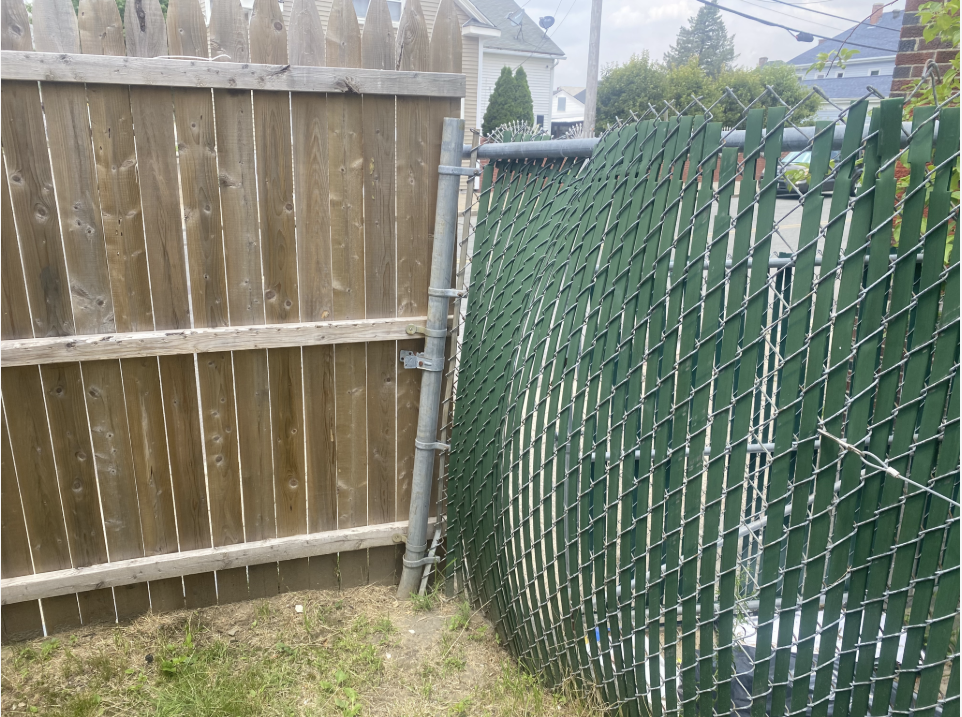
point(762, 61)
point(876, 15)
point(821, 41)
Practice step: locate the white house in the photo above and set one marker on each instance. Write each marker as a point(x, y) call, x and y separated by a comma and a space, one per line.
point(877, 41)
point(567, 110)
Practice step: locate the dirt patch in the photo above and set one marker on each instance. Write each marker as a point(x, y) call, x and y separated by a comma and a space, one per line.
point(359, 652)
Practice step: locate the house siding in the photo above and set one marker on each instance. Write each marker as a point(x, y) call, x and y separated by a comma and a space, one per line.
point(539, 80)
point(469, 66)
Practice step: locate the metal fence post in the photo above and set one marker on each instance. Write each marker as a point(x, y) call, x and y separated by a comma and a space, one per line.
point(432, 360)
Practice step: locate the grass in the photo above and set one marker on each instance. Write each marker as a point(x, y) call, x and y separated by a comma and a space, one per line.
point(355, 654)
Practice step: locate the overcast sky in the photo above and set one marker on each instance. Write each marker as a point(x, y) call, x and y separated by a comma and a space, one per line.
point(633, 26)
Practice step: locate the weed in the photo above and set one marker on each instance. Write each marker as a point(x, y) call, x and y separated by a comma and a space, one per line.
point(461, 618)
point(423, 603)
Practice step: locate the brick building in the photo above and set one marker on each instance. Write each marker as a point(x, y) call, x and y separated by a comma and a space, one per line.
point(914, 52)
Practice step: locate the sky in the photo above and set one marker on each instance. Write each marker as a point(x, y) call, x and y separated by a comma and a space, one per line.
point(633, 26)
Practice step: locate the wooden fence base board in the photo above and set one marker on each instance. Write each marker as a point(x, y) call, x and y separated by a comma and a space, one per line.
point(20, 622)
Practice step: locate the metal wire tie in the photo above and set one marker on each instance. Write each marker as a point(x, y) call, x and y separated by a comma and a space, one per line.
point(462, 171)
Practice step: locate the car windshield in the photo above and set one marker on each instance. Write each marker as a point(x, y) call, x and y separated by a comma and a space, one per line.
point(797, 158)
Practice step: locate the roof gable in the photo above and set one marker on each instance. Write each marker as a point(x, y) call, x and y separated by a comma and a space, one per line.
point(879, 36)
point(526, 37)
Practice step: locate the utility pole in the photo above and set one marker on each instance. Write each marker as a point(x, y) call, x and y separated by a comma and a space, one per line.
point(594, 51)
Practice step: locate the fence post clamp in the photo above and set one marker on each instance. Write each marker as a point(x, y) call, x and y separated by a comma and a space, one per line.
point(431, 446)
point(461, 171)
point(421, 361)
point(413, 329)
point(431, 560)
point(447, 293)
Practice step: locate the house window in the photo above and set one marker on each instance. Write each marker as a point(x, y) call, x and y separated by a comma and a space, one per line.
point(840, 74)
point(874, 73)
point(821, 77)
point(539, 120)
point(562, 101)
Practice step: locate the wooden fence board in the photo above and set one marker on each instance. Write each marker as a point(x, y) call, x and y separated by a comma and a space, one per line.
point(413, 228)
point(153, 115)
point(275, 183)
point(347, 256)
point(380, 253)
point(22, 621)
point(316, 292)
point(111, 125)
point(14, 308)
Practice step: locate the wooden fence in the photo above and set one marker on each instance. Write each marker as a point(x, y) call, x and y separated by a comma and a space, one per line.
point(213, 239)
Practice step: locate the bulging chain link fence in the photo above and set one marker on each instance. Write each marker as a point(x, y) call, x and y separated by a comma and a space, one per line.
point(705, 443)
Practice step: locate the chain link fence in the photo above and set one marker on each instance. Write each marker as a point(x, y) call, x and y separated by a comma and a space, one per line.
point(705, 439)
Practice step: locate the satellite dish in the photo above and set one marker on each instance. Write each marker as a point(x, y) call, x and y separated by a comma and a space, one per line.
point(546, 22)
point(515, 17)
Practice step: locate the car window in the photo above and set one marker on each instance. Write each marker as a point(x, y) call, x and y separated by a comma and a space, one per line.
point(794, 157)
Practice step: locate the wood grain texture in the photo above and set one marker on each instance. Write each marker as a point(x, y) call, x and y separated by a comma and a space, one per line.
point(15, 27)
point(202, 561)
point(40, 66)
point(35, 209)
point(235, 139)
point(346, 154)
point(287, 428)
point(321, 438)
point(148, 439)
point(310, 138)
point(145, 29)
point(380, 252)
point(186, 453)
point(13, 305)
point(33, 458)
point(413, 228)
point(55, 27)
point(107, 414)
point(101, 28)
point(63, 390)
point(254, 426)
point(216, 377)
point(22, 621)
point(275, 175)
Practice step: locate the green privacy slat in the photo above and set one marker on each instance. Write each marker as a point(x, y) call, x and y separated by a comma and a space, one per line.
point(868, 338)
point(789, 397)
point(833, 419)
point(721, 417)
point(919, 155)
point(714, 298)
point(824, 491)
point(638, 458)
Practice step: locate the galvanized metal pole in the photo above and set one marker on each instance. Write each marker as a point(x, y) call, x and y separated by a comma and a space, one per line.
point(432, 360)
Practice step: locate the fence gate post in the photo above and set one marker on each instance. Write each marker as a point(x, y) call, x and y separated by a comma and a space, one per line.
point(432, 360)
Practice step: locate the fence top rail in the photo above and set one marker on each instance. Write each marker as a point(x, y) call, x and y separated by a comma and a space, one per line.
point(794, 139)
point(162, 71)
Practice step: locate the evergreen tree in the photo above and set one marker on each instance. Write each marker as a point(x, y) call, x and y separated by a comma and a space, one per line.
point(706, 40)
point(524, 96)
point(510, 101)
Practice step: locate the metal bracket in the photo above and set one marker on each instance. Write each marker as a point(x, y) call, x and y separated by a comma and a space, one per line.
point(421, 361)
point(461, 171)
point(418, 443)
point(413, 329)
point(447, 293)
point(420, 563)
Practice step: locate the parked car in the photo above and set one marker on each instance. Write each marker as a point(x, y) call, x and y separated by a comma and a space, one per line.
point(794, 175)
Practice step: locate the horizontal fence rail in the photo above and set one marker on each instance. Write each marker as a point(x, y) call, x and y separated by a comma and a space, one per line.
point(705, 447)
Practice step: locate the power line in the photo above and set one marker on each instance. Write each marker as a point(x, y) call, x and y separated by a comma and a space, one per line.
point(828, 14)
point(793, 17)
point(791, 29)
